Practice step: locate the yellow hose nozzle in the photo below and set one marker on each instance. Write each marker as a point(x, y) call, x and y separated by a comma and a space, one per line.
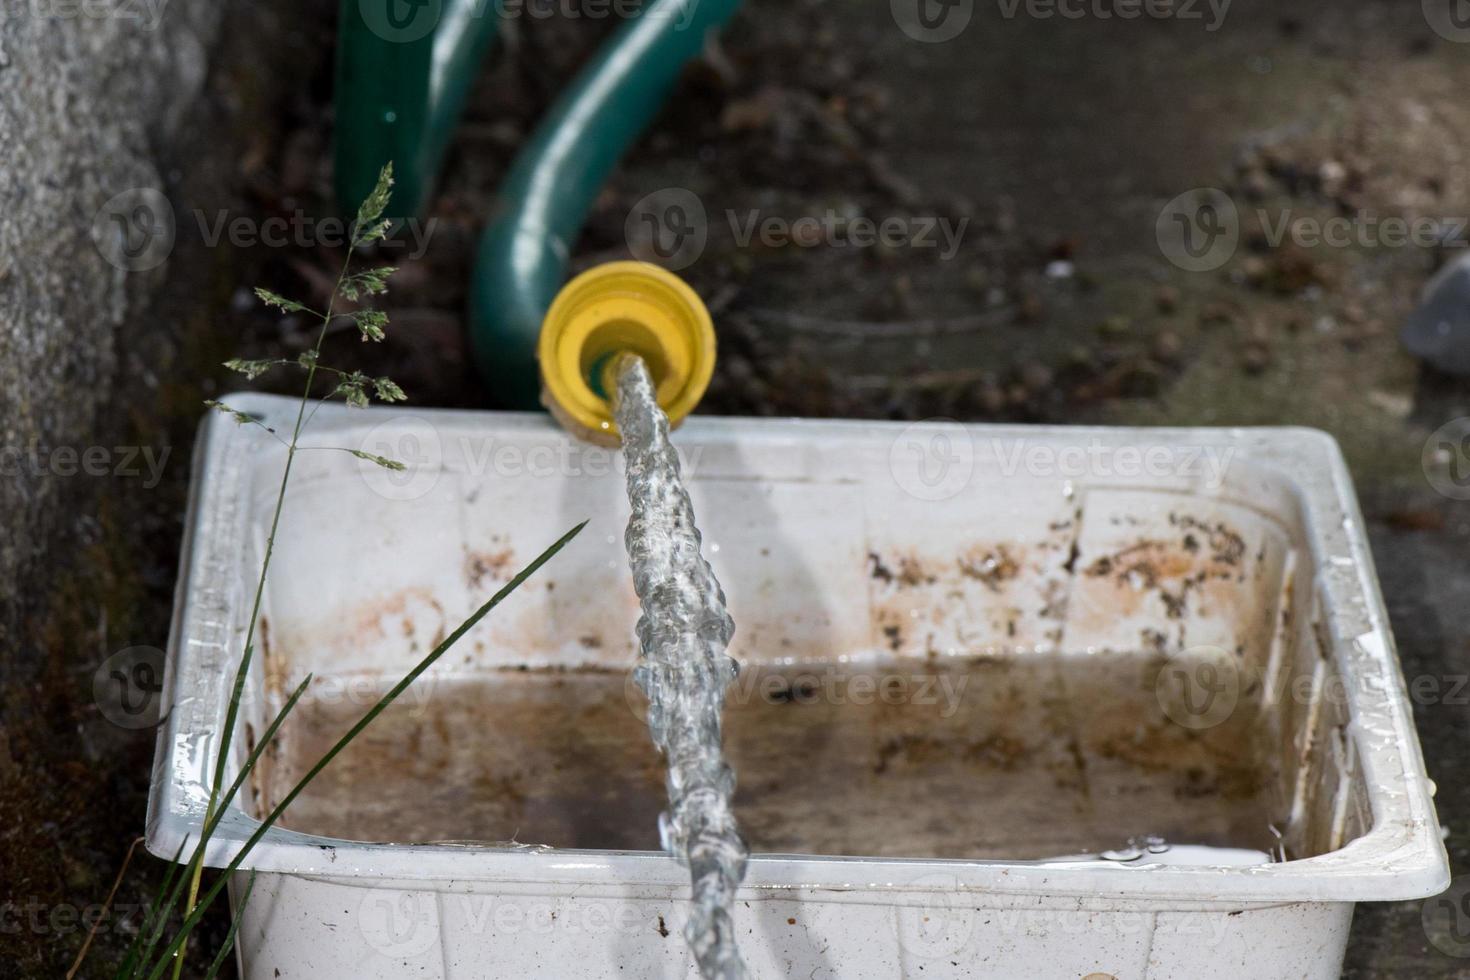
point(618, 307)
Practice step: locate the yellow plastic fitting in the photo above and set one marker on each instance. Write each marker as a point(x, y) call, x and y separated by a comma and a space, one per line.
point(617, 307)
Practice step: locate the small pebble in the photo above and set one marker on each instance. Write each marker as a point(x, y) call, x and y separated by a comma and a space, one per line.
point(1255, 184)
point(1332, 174)
point(1168, 348)
point(1255, 270)
point(1256, 358)
point(1216, 314)
point(992, 398)
point(1036, 377)
point(1141, 380)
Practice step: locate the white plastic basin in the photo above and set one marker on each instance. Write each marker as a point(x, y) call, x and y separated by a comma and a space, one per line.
point(975, 657)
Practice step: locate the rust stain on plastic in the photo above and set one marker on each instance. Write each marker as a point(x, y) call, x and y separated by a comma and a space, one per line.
point(1201, 562)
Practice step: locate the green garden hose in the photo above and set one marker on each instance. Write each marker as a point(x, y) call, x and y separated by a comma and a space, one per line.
point(404, 68)
point(545, 199)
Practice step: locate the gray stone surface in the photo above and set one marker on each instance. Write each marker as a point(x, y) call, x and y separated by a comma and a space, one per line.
point(88, 94)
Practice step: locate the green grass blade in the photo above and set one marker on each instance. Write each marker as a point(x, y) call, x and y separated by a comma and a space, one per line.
point(135, 948)
point(207, 833)
point(229, 943)
point(193, 918)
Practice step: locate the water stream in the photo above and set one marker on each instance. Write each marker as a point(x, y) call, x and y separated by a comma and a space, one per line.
point(684, 670)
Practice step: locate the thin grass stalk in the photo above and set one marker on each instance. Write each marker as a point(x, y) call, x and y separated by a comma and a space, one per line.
point(229, 943)
point(241, 673)
point(136, 946)
point(106, 904)
point(193, 917)
point(211, 823)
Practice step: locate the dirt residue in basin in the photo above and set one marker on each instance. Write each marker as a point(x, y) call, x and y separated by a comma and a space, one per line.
point(1224, 545)
point(993, 566)
point(482, 567)
point(1011, 756)
point(905, 571)
point(977, 597)
point(1174, 569)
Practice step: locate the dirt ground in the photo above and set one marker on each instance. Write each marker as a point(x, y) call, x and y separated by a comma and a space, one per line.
point(1056, 142)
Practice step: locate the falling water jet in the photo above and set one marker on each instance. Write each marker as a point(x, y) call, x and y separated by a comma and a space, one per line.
point(683, 668)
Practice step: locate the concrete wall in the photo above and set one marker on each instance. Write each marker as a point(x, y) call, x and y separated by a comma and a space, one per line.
point(91, 94)
point(90, 91)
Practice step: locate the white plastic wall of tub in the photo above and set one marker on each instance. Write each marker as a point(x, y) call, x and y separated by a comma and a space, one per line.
point(1009, 542)
point(322, 927)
